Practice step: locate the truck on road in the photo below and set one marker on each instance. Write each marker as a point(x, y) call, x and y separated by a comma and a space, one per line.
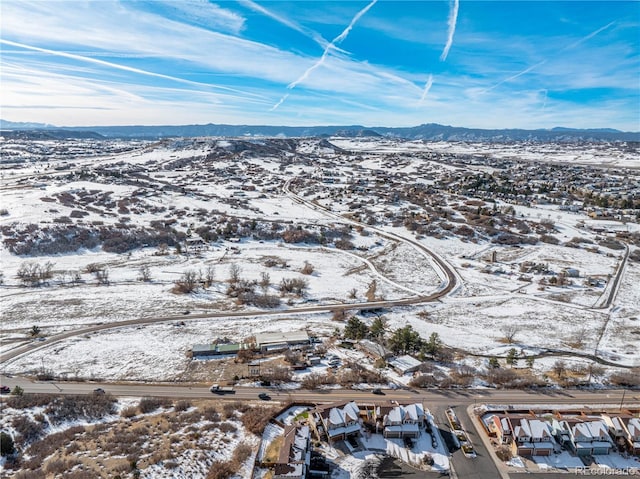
point(217, 389)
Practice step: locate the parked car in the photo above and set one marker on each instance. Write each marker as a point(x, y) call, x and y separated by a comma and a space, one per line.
point(5, 389)
point(264, 396)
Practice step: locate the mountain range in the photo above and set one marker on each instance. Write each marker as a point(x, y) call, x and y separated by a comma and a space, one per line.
point(429, 132)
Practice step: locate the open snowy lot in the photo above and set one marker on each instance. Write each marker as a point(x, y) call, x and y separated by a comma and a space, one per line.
point(117, 227)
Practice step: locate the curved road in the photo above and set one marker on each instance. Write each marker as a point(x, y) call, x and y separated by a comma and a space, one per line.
point(450, 283)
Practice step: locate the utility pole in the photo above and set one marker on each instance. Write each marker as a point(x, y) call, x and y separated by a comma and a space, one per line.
point(624, 391)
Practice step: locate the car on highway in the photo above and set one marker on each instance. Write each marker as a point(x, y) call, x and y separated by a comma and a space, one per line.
point(264, 396)
point(98, 391)
point(377, 391)
point(5, 389)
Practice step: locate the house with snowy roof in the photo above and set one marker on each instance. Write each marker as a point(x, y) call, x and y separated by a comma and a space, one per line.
point(338, 420)
point(404, 421)
point(295, 454)
point(501, 427)
point(632, 426)
point(587, 437)
point(532, 437)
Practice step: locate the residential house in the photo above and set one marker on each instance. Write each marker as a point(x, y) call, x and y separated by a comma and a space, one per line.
point(295, 454)
point(404, 421)
point(632, 425)
point(617, 430)
point(532, 437)
point(501, 427)
point(588, 437)
point(338, 420)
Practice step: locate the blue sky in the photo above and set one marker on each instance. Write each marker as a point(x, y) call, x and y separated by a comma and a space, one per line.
point(501, 64)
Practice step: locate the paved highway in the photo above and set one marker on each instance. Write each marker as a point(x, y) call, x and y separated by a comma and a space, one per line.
point(482, 467)
point(431, 398)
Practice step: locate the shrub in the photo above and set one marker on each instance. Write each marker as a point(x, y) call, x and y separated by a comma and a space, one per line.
point(628, 379)
point(241, 453)
point(24, 401)
point(211, 414)
point(257, 418)
point(227, 427)
point(27, 430)
point(7, 447)
point(182, 405)
point(129, 412)
point(549, 239)
point(149, 404)
point(60, 466)
point(220, 470)
point(293, 285)
point(308, 268)
point(88, 407)
point(504, 453)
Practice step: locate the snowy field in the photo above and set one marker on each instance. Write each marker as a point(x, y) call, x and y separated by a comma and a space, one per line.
point(191, 184)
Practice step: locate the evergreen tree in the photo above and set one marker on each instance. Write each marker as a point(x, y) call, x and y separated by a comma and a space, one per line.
point(512, 358)
point(433, 345)
point(405, 340)
point(355, 329)
point(378, 328)
point(493, 363)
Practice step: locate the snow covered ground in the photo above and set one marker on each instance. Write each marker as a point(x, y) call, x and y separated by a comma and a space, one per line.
point(188, 181)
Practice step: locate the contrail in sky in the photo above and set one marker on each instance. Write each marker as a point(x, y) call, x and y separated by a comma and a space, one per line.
point(321, 60)
point(117, 66)
point(568, 47)
point(427, 87)
point(513, 77)
point(453, 19)
point(316, 37)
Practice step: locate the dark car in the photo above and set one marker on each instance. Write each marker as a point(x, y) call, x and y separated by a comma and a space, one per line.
point(264, 396)
point(5, 389)
point(377, 391)
point(98, 391)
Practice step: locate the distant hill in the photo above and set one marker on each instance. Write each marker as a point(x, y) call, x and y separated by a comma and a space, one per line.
point(46, 134)
point(429, 132)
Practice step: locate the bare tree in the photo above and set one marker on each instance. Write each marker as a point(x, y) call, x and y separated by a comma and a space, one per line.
point(234, 273)
point(265, 281)
point(145, 273)
point(559, 368)
point(209, 276)
point(35, 274)
point(186, 284)
point(102, 275)
point(509, 332)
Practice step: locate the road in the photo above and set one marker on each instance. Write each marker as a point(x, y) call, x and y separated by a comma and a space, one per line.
point(449, 283)
point(481, 467)
point(431, 398)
